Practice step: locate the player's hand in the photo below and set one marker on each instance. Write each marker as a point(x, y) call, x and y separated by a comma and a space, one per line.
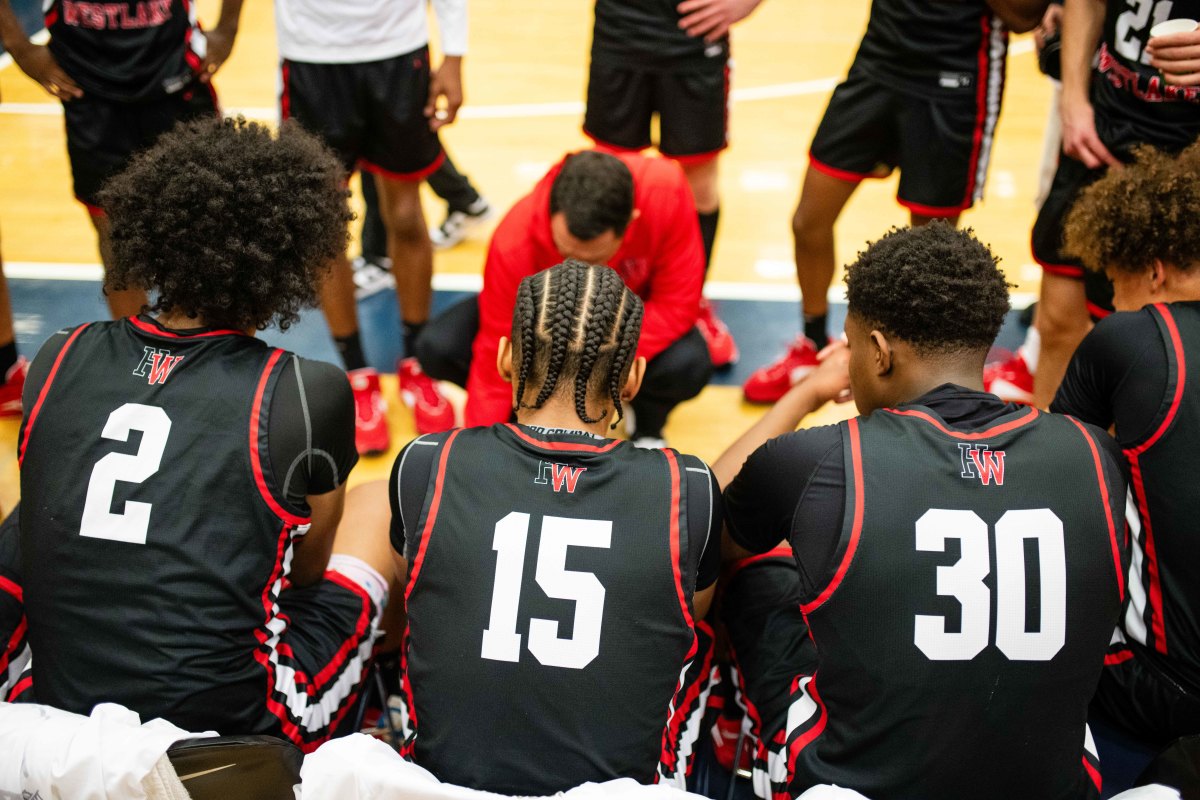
point(831, 379)
point(445, 93)
point(1050, 24)
point(220, 45)
point(713, 18)
point(36, 61)
point(1178, 56)
point(1079, 138)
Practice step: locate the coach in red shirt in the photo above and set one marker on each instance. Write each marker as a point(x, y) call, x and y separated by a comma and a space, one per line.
point(634, 214)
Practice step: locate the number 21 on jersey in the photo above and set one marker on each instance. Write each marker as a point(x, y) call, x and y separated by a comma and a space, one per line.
point(501, 642)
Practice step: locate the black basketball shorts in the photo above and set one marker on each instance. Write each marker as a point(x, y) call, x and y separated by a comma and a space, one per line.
point(941, 145)
point(1143, 701)
point(102, 134)
point(692, 108)
point(317, 664)
point(371, 114)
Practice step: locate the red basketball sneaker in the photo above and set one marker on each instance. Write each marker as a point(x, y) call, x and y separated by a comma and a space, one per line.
point(768, 384)
point(722, 349)
point(1009, 380)
point(432, 412)
point(370, 413)
point(10, 390)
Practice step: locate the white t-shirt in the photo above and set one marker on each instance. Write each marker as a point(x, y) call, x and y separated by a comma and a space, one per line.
point(355, 31)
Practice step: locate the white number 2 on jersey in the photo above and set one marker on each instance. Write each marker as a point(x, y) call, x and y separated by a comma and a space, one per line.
point(501, 642)
point(131, 526)
point(963, 581)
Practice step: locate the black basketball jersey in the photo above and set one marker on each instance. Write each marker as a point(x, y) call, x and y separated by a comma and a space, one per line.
point(1163, 613)
point(936, 48)
point(962, 630)
point(549, 609)
point(153, 546)
point(645, 34)
point(127, 51)
point(1133, 103)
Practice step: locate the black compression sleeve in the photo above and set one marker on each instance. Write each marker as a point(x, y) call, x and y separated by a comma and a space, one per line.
point(310, 431)
point(409, 484)
point(1118, 374)
point(704, 519)
point(710, 560)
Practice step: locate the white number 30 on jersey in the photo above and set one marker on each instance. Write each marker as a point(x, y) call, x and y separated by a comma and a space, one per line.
point(963, 581)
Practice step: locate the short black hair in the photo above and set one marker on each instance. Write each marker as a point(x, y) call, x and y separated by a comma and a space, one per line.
point(938, 288)
point(575, 325)
point(1142, 213)
point(228, 223)
point(595, 191)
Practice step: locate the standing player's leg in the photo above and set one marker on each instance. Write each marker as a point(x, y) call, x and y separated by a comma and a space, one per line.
point(693, 122)
point(855, 140)
point(121, 302)
point(12, 366)
point(1062, 320)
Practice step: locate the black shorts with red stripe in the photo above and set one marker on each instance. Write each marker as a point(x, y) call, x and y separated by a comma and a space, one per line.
point(14, 646)
point(371, 114)
point(1139, 697)
point(102, 135)
point(317, 668)
point(692, 107)
point(940, 143)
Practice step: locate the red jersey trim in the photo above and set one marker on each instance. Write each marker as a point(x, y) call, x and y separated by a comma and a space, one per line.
point(37, 407)
point(154, 330)
point(856, 526)
point(260, 479)
point(834, 172)
point(350, 645)
point(411, 177)
point(1092, 772)
point(780, 551)
point(996, 430)
point(609, 147)
point(12, 588)
point(934, 211)
point(285, 93)
point(809, 735)
point(981, 96)
point(1157, 625)
point(261, 653)
point(1120, 657)
point(20, 688)
point(1108, 516)
point(1180, 379)
point(434, 506)
point(562, 446)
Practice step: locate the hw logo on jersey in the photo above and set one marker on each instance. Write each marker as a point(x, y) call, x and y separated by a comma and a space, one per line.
point(978, 461)
point(156, 365)
point(559, 475)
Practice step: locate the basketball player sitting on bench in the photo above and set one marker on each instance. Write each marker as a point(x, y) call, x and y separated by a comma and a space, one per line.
point(553, 574)
point(959, 558)
point(182, 480)
point(1137, 371)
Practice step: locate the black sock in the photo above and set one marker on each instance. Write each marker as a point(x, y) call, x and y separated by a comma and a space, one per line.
point(412, 330)
point(350, 349)
point(8, 357)
point(708, 233)
point(814, 328)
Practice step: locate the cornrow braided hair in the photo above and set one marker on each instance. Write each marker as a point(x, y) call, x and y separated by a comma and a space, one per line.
point(575, 324)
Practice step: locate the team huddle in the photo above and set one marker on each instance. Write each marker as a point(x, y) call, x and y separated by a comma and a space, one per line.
point(937, 598)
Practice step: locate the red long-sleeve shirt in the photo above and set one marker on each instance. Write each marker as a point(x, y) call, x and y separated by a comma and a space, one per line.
point(661, 259)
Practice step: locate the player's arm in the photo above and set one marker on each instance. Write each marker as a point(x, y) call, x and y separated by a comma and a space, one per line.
point(672, 302)
point(489, 398)
point(1019, 15)
point(1082, 26)
point(1178, 56)
point(35, 60)
point(712, 19)
point(829, 381)
point(220, 39)
point(311, 439)
point(445, 84)
point(406, 494)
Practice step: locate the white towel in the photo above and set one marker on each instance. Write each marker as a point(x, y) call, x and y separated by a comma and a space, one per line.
point(359, 767)
point(107, 756)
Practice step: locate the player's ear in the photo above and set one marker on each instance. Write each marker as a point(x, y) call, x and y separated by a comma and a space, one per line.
point(633, 383)
point(881, 353)
point(1158, 276)
point(504, 359)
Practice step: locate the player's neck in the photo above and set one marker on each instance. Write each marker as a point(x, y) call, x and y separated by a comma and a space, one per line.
point(176, 321)
point(558, 414)
point(920, 383)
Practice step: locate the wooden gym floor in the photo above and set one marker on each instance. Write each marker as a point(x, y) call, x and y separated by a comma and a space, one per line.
point(525, 77)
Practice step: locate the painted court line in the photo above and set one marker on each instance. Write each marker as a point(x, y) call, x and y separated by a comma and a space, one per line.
point(459, 282)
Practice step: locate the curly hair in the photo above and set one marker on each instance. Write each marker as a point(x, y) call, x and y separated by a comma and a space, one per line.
point(938, 288)
point(575, 324)
point(1142, 213)
point(595, 191)
point(227, 223)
